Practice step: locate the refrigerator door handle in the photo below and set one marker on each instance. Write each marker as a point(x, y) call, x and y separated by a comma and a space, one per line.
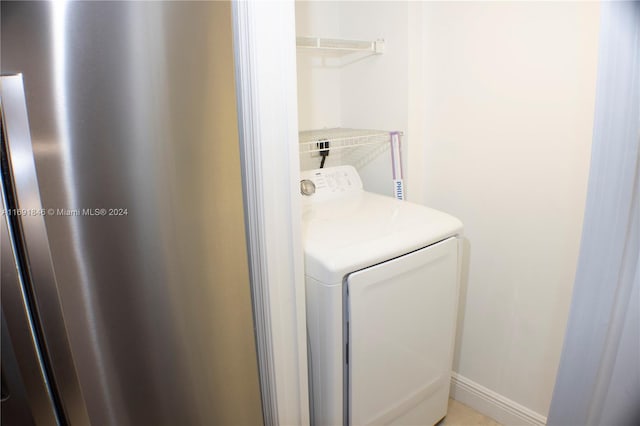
point(29, 248)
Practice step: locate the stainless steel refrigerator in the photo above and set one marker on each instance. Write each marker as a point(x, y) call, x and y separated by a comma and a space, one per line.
point(125, 285)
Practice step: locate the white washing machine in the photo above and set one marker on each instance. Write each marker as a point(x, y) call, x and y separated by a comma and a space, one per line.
point(382, 293)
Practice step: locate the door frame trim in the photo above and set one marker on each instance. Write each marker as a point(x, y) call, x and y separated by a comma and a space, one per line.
point(265, 61)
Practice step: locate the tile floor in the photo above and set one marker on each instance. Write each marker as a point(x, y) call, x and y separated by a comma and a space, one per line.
point(459, 414)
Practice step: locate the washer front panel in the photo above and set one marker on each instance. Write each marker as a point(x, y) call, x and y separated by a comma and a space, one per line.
point(400, 337)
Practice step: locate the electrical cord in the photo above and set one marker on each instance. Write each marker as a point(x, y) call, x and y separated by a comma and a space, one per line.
point(323, 145)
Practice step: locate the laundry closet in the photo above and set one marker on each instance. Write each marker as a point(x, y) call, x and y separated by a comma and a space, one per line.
point(381, 274)
point(493, 106)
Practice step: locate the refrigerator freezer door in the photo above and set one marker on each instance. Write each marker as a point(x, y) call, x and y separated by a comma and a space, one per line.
point(401, 332)
point(132, 115)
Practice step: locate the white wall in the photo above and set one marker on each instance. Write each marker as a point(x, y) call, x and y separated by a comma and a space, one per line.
point(496, 101)
point(319, 82)
point(509, 110)
point(374, 93)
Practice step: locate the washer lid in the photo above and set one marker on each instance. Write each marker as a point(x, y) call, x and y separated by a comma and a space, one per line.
point(357, 229)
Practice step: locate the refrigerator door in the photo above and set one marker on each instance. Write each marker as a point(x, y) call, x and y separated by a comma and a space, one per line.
point(26, 398)
point(35, 338)
point(132, 118)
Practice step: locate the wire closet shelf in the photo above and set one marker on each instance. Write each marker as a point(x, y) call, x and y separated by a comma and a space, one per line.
point(340, 138)
point(341, 45)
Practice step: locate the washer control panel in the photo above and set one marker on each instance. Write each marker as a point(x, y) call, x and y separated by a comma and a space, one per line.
point(330, 181)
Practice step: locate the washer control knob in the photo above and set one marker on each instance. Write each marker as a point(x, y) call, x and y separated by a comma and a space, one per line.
point(307, 187)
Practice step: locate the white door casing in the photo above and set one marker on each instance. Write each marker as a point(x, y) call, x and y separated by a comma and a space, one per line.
point(264, 47)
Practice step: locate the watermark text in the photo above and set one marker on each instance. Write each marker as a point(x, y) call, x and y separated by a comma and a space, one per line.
point(67, 212)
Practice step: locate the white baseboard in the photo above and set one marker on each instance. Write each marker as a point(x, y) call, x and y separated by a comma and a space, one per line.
point(492, 404)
